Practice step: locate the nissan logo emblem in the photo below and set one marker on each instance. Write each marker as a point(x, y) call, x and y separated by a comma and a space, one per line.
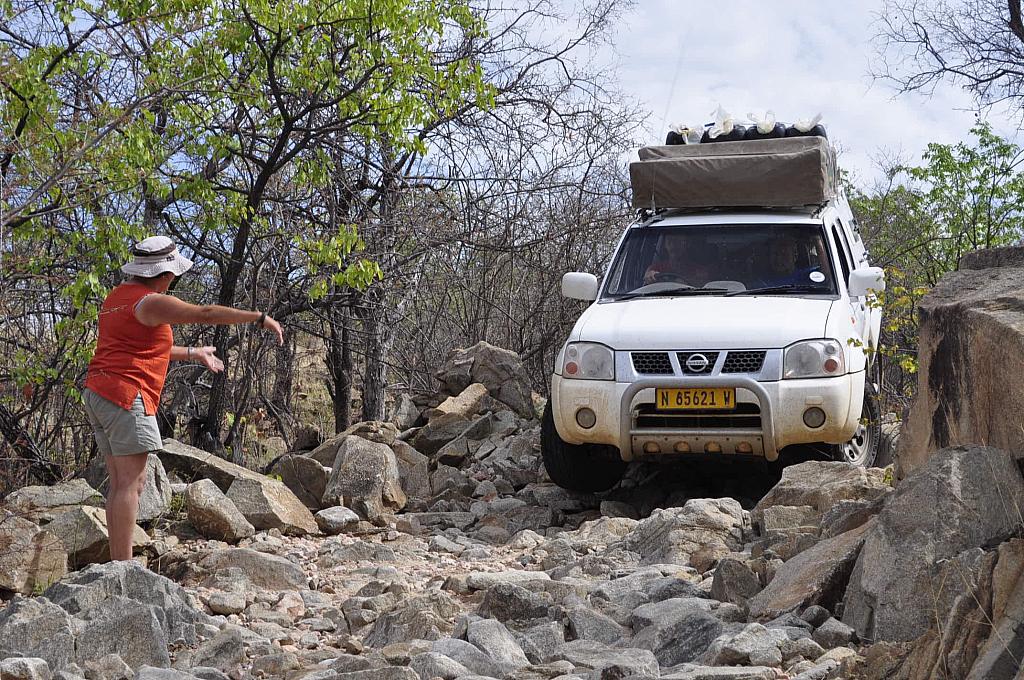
point(697, 363)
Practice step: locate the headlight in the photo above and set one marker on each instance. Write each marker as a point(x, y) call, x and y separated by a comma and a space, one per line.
point(814, 359)
point(588, 361)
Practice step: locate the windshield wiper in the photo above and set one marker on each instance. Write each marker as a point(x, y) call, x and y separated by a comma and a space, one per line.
point(672, 292)
point(788, 288)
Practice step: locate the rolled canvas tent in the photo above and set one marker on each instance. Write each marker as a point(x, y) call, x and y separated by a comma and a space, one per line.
point(776, 173)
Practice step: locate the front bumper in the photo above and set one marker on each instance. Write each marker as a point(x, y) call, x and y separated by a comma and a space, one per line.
point(781, 404)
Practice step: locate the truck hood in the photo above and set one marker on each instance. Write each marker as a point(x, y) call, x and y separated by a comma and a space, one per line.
point(704, 322)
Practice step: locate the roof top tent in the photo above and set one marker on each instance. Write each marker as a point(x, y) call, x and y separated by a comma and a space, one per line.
point(791, 172)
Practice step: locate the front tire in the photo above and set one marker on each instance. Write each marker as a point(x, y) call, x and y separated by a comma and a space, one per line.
point(583, 467)
point(863, 446)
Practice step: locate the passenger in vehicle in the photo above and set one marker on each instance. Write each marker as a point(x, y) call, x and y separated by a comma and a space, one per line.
point(782, 266)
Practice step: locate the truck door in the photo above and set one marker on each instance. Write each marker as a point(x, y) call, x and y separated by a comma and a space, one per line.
point(858, 306)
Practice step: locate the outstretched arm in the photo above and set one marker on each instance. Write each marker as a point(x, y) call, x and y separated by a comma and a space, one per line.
point(160, 309)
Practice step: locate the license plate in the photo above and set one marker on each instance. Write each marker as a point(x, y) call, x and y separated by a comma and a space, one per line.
point(695, 398)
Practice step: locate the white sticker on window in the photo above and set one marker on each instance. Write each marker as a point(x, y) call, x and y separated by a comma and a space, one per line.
point(817, 277)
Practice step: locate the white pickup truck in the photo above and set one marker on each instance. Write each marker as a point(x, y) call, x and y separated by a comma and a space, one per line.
point(721, 330)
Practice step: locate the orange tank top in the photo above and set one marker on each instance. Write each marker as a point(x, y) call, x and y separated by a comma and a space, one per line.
point(131, 358)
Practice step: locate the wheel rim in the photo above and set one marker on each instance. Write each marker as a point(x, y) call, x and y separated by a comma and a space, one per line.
point(858, 448)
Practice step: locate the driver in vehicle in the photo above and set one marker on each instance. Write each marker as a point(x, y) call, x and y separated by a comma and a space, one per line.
point(679, 260)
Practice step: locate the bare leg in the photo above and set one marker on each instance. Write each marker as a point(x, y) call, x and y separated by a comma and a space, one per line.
point(127, 477)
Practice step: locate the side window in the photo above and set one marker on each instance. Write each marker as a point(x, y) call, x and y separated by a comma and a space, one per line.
point(844, 255)
point(846, 244)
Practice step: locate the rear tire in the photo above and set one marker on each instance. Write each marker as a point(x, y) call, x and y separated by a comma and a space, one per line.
point(583, 467)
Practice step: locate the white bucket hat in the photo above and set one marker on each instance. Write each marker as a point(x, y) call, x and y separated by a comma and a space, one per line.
point(156, 255)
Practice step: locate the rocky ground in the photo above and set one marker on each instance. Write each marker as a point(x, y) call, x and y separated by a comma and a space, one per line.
point(434, 547)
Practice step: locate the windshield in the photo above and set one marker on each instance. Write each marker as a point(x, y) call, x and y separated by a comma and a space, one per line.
point(722, 259)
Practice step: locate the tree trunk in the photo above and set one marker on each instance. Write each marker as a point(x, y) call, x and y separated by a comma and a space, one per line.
point(378, 345)
point(339, 366)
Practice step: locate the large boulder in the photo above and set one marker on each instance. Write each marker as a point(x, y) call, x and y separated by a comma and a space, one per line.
point(499, 370)
point(262, 570)
point(156, 492)
point(269, 504)
point(36, 627)
point(306, 478)
point(43, 503)
point(123, 608)
point(191, 464)
point(697, 534)
point(819, 575)
point(413, 469)
point(364, 477)
point(971, 338)
point(963, 498)
point(83, 531)
point(213, 514)
point(30, 558)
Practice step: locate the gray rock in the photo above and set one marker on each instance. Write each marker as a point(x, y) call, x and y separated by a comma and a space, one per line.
point(643, 586)
point(734, 582)
point(223, 651)
point(151, 673)
point(484, 580)
point(125, 627)
point(698, 534)
point(30, 558)
point(587, 624)
point(805, 648)
point(424, 617)
point(443, 544)
point(755, 645)
point(833, 633)
point(607, 663)
point(192, 464)
point(499, 370)
point(383, 673)
point(109, 667)
point(818, 575)
point(695, 672)
point(819, 485)
point(226, 603)
point(25, 669)
point(305, 477)
point(262, 570)
point(332, 554)
point(540, 641)
point(510, 602)
point(815, 615)
point(44, 503)
point(431, 665)
point(336, 520)
point(364, 477)
point(904, 551)
point(440, 430)
point(469, 656)
point(214, 515)
point(676, 631)
point(413, 470)
point(37, 628)
point(405, 412)
point(269, 504)
point(848, 515)
point(83, 531)
point(494, 640)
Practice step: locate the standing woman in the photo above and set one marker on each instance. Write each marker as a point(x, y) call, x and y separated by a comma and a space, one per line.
point(126, 374)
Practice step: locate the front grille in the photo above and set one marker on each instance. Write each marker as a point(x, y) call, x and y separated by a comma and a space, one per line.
point(712, 357)
point(652, 363)
point(744, 362)
point(746, 416)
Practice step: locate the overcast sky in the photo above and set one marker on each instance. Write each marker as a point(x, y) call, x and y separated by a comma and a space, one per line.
point(796, 58)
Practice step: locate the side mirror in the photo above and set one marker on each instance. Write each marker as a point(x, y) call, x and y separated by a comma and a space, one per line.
point(579, 286)
point(866, 279)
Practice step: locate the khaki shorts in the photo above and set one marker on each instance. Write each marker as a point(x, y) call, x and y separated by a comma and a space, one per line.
point(120, 432)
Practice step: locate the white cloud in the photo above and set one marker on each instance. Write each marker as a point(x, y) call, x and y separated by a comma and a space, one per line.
point(796, 58)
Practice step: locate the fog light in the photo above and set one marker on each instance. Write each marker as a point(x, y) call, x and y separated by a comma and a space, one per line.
point(682, 447)
point(814, 417)
point(712, 447)
point(586, 418)
point(744, 447)
point(652, 447)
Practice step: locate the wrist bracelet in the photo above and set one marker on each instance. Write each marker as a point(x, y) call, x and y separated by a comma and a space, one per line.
point(259, 322)
point(189, 354)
